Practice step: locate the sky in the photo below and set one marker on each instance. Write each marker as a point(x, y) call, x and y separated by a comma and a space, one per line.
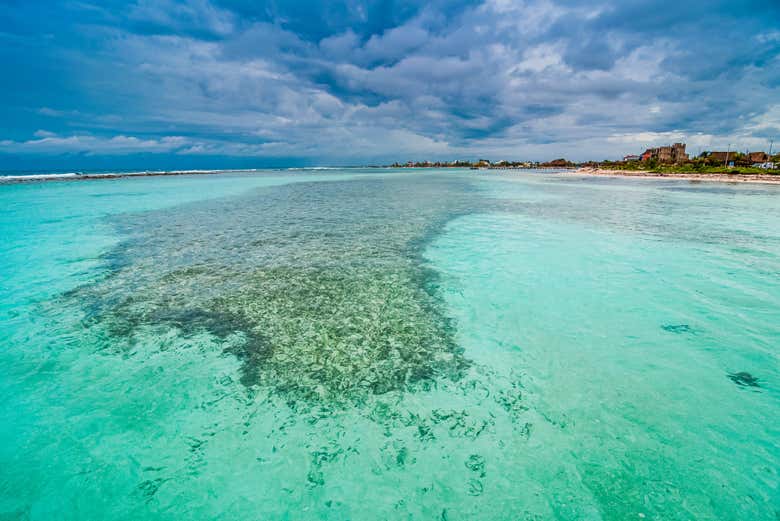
point(113, 84)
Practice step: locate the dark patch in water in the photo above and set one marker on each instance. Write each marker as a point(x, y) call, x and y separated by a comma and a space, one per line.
point(677, 328)
point(744, 379)
point(476, 463)
point(150, 487)
point(318, 288)
point(401, 456)
point(475, 487)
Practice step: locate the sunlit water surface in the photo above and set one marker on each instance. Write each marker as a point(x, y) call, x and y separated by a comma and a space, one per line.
point(389, 345)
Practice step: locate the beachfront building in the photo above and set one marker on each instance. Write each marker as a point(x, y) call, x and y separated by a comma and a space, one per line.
point(758, 157)
point(668, 154)
point(734, 158)
point(721, 157)
point(632, 157)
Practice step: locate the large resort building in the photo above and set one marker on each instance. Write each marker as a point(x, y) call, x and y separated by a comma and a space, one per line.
point(669, 154)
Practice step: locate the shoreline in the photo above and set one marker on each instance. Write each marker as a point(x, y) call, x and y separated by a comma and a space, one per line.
point(74, 176)
point(685, 176)
point(41, 178)
point(773, 179)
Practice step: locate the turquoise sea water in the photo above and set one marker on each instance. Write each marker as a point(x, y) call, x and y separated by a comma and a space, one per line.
point(389, 345)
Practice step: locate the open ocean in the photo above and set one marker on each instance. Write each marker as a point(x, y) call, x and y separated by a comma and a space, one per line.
point(380, 344)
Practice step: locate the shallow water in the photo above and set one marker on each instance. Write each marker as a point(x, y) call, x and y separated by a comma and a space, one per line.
point(389, 345)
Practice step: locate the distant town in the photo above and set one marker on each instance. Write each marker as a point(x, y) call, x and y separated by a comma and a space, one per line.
point(672, 157)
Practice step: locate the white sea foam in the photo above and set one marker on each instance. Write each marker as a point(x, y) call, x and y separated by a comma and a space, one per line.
point(70, 175)
point(17, 178)
point(9, 178)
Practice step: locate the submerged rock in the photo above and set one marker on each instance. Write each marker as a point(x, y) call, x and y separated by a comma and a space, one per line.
point(744, 379)
point(677, 328)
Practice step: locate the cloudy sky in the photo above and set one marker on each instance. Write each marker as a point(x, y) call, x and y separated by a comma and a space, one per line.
point(245, 83)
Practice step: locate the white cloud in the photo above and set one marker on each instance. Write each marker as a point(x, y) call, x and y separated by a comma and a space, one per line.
point(50, 143)
point(183, 15)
